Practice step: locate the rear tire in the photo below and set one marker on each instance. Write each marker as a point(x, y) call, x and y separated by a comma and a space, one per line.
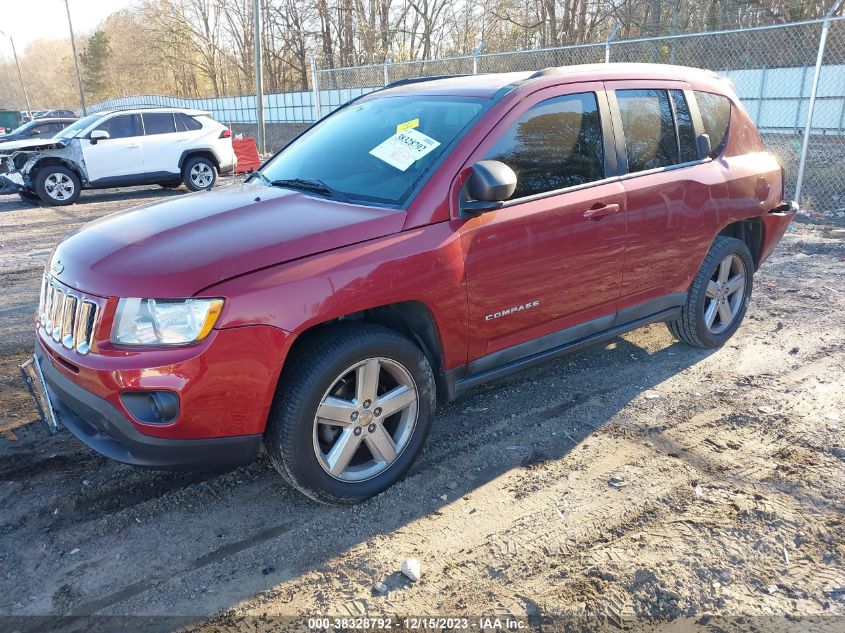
point(199, 173)
point(57, 185)
point(718, 297)
point(378, 388)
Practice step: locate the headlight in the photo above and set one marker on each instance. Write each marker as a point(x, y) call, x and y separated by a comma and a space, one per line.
point(164, 321)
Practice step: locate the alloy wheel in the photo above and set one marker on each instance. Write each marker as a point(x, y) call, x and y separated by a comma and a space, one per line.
point(59, 186)
point(725, 294)
point(365, 419)
point(202, 175)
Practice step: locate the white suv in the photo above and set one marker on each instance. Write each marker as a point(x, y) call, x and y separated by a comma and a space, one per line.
point(165, 146)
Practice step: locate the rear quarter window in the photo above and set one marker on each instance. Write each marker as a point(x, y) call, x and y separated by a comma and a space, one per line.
point(185, 122)
point(716, 116)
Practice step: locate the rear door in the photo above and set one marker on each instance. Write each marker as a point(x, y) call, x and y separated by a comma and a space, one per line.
point(118, 158)
point(551, 258)
point(162, 144)
point(672, 196)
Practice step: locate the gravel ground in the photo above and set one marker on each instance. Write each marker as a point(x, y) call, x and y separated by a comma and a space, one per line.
point(641, 480)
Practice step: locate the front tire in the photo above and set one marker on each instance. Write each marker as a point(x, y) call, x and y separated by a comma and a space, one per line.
point(199, 173)
point(351, 414)
point(57, 185)
point(718, 297)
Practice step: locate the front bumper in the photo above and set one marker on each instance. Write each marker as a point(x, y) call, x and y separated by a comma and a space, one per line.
point(102, 427)
point(9, 184)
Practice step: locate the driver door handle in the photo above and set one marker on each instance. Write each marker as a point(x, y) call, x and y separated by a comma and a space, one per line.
point(598, 212)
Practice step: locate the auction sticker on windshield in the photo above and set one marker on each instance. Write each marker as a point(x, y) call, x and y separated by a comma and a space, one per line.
point(404, 148)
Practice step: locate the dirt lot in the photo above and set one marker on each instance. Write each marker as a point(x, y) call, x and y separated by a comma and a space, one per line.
point(728, 504)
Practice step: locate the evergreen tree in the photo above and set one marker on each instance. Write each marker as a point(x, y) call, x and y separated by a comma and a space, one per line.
point(95, 62)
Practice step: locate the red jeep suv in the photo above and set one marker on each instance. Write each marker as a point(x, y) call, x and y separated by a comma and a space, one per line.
point(421, 240)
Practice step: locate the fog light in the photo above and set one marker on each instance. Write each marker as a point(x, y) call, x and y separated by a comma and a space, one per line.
point(152, 407)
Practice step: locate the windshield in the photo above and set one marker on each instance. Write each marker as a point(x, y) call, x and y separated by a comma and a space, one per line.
point(73, 129)
point(376, 150)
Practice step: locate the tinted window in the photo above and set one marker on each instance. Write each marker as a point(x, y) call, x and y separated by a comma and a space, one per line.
point(122, 126)
point(185, 122)
point(158, 123)
point(378, 149)
point(716, 115)
point(650, 139)
point(686, 132)
point(555, 144)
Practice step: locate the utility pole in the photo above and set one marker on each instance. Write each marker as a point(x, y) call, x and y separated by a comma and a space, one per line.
point(75, 60)
point(259, 85)
point(20, 74)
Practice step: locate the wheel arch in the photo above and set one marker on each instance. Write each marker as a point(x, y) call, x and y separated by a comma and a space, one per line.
point(204, 152)
point(751, 231)
point(412, 319)
point(41, 163)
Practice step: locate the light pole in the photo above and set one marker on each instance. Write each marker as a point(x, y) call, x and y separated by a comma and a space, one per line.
point(259, 84)
point(75, 60)
point(20, 74)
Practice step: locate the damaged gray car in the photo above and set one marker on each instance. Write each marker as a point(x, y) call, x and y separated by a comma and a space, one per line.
point(164, 146)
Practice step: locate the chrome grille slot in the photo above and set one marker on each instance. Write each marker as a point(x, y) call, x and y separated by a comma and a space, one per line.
point(42, 298)
point(68, 320)
point(67, 317)
point(86, 316)
point(47, 317)
point(58, 312)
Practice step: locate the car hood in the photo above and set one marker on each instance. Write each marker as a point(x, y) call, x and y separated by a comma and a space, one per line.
point(179, 247)
point(7, 147)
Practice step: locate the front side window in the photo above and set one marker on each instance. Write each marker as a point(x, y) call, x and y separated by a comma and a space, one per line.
point(158, 123)
point(122, 126)
point(650, 140)
point(715, 115)
point(553, 145)
point(377, 150)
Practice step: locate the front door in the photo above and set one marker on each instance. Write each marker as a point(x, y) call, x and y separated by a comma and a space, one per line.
point(119, 158)
point(551, 258)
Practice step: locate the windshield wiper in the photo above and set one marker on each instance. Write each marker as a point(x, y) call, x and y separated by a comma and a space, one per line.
point(260, 175)
point(314, 186)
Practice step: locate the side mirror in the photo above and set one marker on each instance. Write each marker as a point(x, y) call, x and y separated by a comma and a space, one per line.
point(702, 144)
point(490, 184)
point(35, 132)
point(99, 135)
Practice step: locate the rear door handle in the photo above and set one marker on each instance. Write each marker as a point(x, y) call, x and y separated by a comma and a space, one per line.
point(596, 213)
point(136, 146)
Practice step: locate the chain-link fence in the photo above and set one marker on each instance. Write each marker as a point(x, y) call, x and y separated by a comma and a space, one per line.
point(772, 69)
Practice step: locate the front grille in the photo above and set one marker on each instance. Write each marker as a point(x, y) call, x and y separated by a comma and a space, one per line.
point(67, 318)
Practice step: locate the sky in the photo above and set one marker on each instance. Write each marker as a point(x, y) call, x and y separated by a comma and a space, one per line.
point(29, 20)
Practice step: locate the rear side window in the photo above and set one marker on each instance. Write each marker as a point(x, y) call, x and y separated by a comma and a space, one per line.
point(716, 115)
point(650, 140)
point(555, 144)
point(686, 131)
point(185, 123)
point(158, 123)
point(122, 126)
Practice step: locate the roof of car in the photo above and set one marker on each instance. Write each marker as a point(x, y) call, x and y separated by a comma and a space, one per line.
point(188, 111)
point(55, 119)
point(488, 84)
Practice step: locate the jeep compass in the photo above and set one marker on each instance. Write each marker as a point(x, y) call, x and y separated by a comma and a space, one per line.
point(423, 239)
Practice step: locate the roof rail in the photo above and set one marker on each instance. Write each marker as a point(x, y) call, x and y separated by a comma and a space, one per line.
point(414, 80)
